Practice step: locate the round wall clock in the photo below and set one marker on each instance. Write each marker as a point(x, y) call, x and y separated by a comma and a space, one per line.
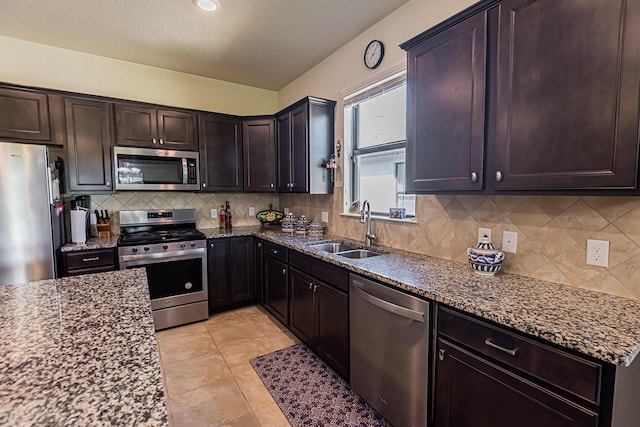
point(373, 54)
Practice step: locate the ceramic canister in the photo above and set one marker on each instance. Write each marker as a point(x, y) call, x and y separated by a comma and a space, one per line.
point(485, 258)
point(301, 225)
point(288, 223)
point(315, 229)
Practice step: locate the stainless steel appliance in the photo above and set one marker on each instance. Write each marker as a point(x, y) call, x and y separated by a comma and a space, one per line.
point(151, 169)
point(174, 253)
point(389, 333)
point(32, 225)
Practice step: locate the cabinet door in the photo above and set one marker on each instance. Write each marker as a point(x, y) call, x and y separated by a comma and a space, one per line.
point(240, 270)
point(299, 144)
point(258, 142)
point(177, 130)
point(471, 391)
point(283, 149)
point(567, 94)
point(88, 148)
point(136, 126)
point(276, 276)
point(258, 251)
point(220, 152)
point(332, 327)
point(446, 109)
point(217, 273)
point(24, 115)
point(301, 307)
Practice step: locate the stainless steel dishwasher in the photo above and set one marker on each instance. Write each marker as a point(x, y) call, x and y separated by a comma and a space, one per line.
point(389, 351)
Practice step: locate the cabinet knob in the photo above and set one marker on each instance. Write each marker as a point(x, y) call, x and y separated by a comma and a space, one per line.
point(498, 176)
point(315, 288)
point(441, 354)
point(108, 183)
point(212, 245)
point(161, 141)
point(275, 251)
point(271, 185)
point(284, 271)
point(204, 184)
point(310, 285)
point(259, 245)
point(154, 141)
point(474, 177)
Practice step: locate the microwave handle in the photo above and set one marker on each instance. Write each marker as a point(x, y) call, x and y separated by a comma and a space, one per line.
point(185, 171)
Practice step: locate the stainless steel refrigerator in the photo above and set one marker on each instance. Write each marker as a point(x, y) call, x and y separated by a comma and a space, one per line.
point(31, 221)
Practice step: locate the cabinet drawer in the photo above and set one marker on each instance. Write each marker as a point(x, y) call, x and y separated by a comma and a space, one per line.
point(90, 259)
point(566, 371)
point(276, 251)
point(324, 271)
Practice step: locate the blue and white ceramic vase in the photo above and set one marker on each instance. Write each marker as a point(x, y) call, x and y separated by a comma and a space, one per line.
point(485, 258)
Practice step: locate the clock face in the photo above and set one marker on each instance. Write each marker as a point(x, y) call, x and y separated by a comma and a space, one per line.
point(373, 54)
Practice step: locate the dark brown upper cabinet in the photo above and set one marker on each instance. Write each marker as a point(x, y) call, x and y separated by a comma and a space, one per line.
point(258, 144)
point(31, 116)
point(149, 127)
point(220, 152)
point(526, 96)
point(446, 109)
point(88, 148)
point(304, 140)
point(567, 94)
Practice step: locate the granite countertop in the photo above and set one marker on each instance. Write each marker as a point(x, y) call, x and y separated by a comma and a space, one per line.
point(80, 351)
point(600, 325)
point(92, 243)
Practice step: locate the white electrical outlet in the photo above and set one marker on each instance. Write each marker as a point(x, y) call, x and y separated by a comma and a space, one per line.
point(325, 216)
point(598, 252)
point(509, 241)
point(214, 213)
point(484, 232)
point(252, 211)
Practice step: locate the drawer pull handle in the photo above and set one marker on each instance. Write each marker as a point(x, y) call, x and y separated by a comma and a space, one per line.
point(95, 258)
point(441, 354)
point(284, 271)
point(509, 351)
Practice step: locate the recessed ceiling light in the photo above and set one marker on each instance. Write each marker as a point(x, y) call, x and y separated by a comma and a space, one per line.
point(208, 5)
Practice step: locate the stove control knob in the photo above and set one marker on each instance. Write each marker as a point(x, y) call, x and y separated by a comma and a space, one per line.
point(182, 245)
point(193, 244)
point(165, 247)
point(146, 248)
point(188, 285)
point(134, 250)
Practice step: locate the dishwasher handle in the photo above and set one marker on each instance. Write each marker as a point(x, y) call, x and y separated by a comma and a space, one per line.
point(387, 306)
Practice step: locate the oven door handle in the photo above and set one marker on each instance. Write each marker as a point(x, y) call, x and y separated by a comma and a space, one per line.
point(144, 259)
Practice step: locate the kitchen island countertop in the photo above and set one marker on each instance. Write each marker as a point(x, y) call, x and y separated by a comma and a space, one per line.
point(596, 324)
point(80, 351)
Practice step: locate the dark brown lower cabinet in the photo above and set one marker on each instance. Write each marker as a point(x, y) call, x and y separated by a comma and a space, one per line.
point(230, 268)
point(89, 261)
point(276, 288)
point(472, 391)
point(319, 309)
point(258, 250)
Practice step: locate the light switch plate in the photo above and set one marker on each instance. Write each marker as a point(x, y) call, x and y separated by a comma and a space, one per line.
point(509, 241)
point(252, 211)
point(325, 216)
point(214, 213)
point(483, 232)
point(598, 252)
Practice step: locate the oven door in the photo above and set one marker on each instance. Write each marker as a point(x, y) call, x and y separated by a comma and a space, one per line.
point(175, 277)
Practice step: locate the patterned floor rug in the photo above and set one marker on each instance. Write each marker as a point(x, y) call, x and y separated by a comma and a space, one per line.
point(310, 393)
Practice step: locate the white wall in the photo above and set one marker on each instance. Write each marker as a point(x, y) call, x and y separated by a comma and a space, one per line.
point(39, 65)
point(345, 67)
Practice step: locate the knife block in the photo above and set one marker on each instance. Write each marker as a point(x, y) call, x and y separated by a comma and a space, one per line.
point(104, 230)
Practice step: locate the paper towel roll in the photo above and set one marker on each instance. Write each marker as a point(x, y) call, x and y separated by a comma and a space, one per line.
point(79, 226)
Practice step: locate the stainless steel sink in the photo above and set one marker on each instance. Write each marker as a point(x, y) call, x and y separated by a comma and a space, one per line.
point(334, 247)
point(358, 253)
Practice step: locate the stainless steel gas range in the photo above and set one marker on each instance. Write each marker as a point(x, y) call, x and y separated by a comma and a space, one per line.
point(174, 253)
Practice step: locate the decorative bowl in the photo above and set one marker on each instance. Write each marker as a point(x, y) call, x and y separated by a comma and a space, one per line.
point(270, 217)
point(485, 258)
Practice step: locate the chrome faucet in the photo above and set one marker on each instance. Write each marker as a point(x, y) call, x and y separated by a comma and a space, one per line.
point(365, 217)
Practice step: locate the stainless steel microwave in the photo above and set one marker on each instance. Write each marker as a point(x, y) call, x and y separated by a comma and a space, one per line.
point(151, 169)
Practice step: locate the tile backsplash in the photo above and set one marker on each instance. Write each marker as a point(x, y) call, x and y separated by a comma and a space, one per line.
point(552, 233)
point(201, 202)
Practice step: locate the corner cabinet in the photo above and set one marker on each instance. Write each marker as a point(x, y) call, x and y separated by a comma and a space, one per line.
point(304, 140)
point(258, 144)
point(149, 127)
point(220, 139)
point(542, 94)
point(88, 149)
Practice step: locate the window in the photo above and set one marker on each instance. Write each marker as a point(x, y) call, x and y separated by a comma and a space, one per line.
point(375, 129)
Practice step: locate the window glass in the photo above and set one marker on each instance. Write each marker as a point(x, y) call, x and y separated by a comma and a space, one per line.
point(382, 119)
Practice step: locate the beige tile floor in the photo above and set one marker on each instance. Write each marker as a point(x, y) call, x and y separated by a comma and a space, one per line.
point(208, 378)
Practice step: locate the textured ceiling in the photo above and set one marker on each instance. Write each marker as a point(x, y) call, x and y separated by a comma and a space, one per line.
point(260, 43)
